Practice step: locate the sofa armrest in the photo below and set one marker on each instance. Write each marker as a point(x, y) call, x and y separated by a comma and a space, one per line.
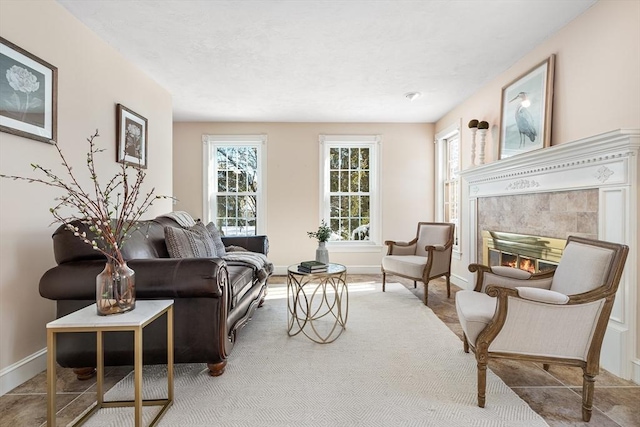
point(154, 278)
point(258, 244)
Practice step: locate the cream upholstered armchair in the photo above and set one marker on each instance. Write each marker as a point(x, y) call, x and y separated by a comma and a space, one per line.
point(556, 317)
point(424, 258)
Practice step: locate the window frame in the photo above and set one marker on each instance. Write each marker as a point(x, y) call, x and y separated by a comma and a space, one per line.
point(442, 167)
point(210, 176)
point(373, 142)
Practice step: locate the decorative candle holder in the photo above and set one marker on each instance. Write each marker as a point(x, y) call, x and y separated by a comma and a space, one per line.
point(473, 127)
point(483, 127)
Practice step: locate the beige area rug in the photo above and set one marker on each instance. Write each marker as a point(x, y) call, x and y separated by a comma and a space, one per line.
point(396, 364)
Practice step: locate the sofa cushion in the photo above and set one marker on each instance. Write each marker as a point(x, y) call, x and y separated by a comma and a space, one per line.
point(192, 242)
point(68, 248)
point(138, 245)
point(217, 239)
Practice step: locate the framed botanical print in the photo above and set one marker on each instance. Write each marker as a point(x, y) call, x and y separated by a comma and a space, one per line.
point(131, 137)
point(28, 94)
point(525, 113)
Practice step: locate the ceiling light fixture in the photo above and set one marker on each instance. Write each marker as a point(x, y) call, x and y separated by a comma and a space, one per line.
point(412, 95)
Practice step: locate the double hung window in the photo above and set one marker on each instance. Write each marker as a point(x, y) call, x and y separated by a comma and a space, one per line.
point(448, 188)
point(234, 183)
point(350, 189)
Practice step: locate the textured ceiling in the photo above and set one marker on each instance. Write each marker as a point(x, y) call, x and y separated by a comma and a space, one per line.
point(322, 61)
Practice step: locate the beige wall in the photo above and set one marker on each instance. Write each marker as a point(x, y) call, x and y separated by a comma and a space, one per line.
point(596, 87)
point(92, 79)
point(596, 90)
point(293, 181)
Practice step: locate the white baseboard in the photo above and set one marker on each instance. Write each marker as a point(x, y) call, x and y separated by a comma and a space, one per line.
point(614, 345)
point(23, 370)
point(460, 281)
point(635, 371)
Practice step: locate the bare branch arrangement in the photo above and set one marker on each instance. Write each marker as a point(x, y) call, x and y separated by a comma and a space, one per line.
point(111, 211)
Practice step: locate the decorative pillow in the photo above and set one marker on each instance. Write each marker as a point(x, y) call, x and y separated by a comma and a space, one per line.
point(217, 239)
point(192, 242)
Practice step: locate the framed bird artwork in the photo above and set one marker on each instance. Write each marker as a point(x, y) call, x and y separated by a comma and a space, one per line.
point(525, 111)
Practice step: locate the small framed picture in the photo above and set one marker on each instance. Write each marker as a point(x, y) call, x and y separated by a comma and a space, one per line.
point(28, 94)
point(131, 137)
point(525, 112)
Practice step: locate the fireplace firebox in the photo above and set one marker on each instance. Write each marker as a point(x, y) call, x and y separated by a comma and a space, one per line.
point(530, 253)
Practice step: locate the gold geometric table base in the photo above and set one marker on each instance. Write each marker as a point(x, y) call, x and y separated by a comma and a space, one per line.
point(134, 321)
point(315, 296)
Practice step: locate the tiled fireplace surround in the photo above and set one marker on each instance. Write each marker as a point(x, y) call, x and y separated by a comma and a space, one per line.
point(587, 187)
point(558, 214)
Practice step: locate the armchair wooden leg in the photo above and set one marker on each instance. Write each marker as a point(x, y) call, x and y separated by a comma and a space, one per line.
point(482, 383)
point(426, 293)
point(546, 366)
point(465, 343)
point(415, 284)
point(448, 286)
point(587, 395)
point(384, 278)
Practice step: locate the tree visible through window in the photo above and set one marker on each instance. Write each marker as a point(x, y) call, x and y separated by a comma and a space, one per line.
point(237, 190)
point(350, 179)
point(349, 216)
point(234, 184)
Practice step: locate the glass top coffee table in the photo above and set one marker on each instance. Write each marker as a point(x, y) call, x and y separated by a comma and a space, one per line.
point(317, 303)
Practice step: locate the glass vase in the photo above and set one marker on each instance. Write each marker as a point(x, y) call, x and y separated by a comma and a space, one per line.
point(115, 289)
point(322, 253)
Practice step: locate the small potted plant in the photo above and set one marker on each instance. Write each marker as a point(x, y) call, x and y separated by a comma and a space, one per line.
point(322, 235)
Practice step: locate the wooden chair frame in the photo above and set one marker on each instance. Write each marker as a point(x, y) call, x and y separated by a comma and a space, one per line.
point(426, 274)
point(591, 366)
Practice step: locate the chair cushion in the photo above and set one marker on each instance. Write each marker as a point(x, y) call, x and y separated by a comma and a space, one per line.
point(582, 268)
point(405, 265)
point(475, 311)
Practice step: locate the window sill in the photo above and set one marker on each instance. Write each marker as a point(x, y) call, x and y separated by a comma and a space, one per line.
point(353, 248)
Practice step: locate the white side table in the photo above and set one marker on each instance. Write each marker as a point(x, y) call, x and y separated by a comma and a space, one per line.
point(87, 320)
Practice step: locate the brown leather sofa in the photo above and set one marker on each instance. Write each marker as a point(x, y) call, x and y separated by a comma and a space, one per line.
point(213, 298)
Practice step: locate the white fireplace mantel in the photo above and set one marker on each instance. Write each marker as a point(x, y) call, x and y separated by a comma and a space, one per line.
point(609, 162)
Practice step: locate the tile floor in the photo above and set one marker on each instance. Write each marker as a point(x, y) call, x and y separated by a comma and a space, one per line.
point(555, 395)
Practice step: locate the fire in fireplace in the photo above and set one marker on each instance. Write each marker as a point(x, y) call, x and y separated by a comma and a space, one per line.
point(530, 253)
